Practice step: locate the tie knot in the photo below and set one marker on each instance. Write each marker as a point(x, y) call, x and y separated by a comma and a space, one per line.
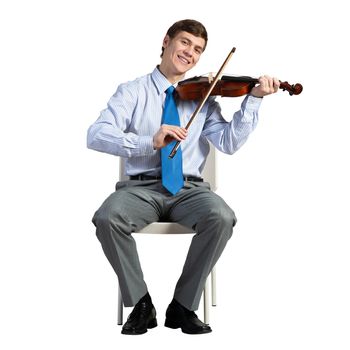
point(170, 90)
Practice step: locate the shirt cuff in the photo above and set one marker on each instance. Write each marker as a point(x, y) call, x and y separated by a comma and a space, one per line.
point(146, 145)
point(253, 102)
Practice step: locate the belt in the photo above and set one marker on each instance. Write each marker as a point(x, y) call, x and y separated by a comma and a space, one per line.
point(149, 177)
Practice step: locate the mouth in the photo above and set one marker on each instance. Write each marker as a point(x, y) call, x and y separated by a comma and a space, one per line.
point(183, 60)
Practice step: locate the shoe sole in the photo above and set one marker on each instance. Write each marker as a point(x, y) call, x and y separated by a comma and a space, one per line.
point(151, 324)
point(175, 325)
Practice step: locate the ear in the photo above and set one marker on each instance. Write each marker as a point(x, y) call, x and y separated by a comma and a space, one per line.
point(166, 41)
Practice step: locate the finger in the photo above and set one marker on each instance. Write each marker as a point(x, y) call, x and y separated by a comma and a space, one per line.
point(177, 133)
point(262, 81)
point(269, 83)
point(176, 136)
point(178, 130)
point(266, 83)
point(182, 133)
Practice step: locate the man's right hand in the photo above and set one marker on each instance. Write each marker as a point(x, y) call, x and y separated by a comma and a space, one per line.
point(168, 133)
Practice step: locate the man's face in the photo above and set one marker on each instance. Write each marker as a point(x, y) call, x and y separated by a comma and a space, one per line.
point(182, 52)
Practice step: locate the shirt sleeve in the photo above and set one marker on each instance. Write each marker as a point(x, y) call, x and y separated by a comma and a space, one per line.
point(110, 133)
point(228, 137)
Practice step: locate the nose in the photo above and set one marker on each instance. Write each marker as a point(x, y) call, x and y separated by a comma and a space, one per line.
point(188, 51)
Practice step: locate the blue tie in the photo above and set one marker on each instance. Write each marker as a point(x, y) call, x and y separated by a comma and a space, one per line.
point(172, 176)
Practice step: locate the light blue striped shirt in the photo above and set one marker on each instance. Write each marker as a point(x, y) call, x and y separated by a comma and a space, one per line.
point(134, 113)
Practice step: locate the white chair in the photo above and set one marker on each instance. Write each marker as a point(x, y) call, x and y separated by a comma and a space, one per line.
point(209, 175)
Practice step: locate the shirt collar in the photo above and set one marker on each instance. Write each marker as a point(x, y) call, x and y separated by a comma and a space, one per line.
point(160, 81)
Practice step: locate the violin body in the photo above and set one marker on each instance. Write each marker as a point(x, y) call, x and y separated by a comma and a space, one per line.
point(228, 86)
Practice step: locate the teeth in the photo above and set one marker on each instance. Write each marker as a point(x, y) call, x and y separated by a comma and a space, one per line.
point(183, 60)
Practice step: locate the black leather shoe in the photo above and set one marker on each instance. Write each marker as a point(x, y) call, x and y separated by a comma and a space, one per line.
point(177, 316)
point(142, 317)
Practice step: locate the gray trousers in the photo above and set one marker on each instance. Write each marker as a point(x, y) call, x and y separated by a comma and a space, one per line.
point(136, 204)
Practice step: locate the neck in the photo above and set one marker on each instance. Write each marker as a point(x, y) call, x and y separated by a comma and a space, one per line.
point(173, 78)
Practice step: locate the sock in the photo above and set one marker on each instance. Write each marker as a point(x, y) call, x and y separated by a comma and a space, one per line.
point(146, 298)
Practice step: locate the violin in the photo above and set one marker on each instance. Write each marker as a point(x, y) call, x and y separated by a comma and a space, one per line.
point(228, 86)
point(200, 88)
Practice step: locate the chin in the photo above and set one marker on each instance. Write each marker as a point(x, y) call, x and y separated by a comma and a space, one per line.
point(184, 70)
point(182, 67)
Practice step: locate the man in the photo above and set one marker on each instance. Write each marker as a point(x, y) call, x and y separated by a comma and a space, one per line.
point(135, 126)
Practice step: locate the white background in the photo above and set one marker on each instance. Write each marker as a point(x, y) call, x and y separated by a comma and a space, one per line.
point(283, 281)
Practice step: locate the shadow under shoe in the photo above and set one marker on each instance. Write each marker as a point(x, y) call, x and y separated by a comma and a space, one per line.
point(177, 316)
point(142, 317)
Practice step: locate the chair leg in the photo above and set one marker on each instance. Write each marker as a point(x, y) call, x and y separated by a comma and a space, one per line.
point(213, 286)
point(206, 301)
point(120, 307)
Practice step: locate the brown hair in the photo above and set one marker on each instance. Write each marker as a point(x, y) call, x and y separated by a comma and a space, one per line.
point(190, 26)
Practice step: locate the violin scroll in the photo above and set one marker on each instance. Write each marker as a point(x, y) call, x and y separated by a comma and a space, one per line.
point(294, 89)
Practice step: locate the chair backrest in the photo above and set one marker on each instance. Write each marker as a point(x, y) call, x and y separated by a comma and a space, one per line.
point(208, 173)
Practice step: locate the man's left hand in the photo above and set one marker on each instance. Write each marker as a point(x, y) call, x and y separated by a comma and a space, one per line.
point(267, 86)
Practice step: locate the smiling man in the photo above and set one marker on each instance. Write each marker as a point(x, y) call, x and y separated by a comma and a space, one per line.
point(141, 123)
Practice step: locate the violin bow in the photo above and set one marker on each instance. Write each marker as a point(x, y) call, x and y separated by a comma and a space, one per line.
point(204, 99)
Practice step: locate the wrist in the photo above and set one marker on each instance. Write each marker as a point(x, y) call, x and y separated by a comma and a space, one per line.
point(255, 96)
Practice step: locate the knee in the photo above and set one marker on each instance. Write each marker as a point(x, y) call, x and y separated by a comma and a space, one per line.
point(109, 219)
point(224, 217)
point(229, 217)
point(101, 218)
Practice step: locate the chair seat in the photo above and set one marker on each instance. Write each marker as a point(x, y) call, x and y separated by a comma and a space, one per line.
point(166, 228)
